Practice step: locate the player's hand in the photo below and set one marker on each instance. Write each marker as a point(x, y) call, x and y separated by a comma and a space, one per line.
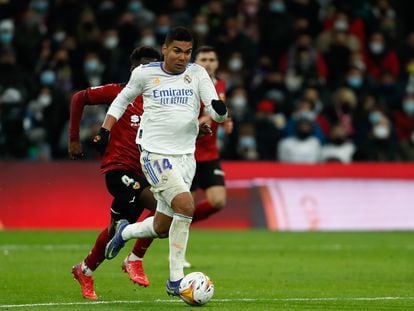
point(101, 140)
point(75, 150)
point(204, 129)
point(228, 126)
point(219, 107)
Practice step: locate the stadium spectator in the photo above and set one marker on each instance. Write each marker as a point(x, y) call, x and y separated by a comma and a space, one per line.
point(254, 42)
point(381, 143)
point(302, 147)
point(380, 57)
point(339, 147)
point(403, 118)
point(267, 128)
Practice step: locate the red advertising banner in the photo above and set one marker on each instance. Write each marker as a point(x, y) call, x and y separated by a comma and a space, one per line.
point(72, 195)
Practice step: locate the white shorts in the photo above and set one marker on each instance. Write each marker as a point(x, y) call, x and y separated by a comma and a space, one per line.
point(169, 175)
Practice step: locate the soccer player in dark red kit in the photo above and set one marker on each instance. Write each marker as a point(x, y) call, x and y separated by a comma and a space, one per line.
point(209, 175)
point(124, 178)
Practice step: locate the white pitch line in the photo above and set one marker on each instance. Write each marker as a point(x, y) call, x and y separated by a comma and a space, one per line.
point(53, 304)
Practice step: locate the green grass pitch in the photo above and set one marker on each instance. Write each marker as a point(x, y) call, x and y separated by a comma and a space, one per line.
point(251, 270)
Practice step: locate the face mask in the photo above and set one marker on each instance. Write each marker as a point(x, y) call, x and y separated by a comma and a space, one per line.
point(59, 36)
point(134, 6)
point(341, 25)
point(354, 81)
point(408, 107)
point(47, 77)
point(201, 29)
point(293, 83)
point(40, 6)
point(375, 117)
point(111, 42)
point(239, 102)
point(6, 37)
point(277, 7)
point(247, 142)
point(91, 65)
point(235, 64)
point(376, 47)
point(306, 115)
point(149, 41)
point(163, 30)
point(381, 131)
point(44, 100)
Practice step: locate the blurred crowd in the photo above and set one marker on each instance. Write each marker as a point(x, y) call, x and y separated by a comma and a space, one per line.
point(308, 81)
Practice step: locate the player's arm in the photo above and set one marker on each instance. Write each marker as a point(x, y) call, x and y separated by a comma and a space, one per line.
point(117, 109)
point(214, 106)
point(102, 95)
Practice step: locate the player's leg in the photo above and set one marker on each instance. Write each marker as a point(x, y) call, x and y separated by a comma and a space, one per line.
point(132, 194)
point(183, 207)
point(133, 263)
point(178, 193)
point(82, 272)
point(210, 178)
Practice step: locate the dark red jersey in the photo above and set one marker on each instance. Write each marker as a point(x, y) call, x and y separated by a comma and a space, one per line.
point(122, 151)
point(206, 146)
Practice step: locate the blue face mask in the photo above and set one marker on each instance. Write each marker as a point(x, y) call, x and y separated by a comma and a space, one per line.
point(375, 117)
point(134, 6)
point(354, 81)
point(247, 142)
point(91, 65)
point(163, 30)
point(6, 37)
point(40, 6)
point(408, 107)
point(277, 7)
point(48, 77)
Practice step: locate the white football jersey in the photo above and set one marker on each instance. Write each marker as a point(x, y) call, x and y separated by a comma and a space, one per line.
point(169, 124)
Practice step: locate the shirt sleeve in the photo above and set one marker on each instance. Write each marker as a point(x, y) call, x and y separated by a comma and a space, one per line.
point(77, 105)
point(127, 95)
point(207, 94)
point(101, 95)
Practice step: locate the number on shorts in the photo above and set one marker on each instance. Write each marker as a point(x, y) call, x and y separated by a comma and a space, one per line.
point(165, 165)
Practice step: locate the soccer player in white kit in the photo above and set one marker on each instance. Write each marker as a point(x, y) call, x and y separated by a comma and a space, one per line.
point(172, 91)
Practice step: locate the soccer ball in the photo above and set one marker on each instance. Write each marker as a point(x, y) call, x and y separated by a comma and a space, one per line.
point(196, 289)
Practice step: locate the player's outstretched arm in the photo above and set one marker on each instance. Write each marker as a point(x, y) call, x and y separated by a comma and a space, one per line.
point(101, 139)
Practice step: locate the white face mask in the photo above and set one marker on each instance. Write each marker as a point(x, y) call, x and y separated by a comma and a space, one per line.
point(408, 107)
point(149, 41)
point(238, 102)
point(201, 29)
point(341, 25)
point(376, 47)
point(111, 42)
point(381, 131)
point(235, 64)
point(44, 100)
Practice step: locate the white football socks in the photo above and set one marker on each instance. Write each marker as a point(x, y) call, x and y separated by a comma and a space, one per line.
point(143, 229)
point(85, 269)
point(178, 237)
point(133, 257)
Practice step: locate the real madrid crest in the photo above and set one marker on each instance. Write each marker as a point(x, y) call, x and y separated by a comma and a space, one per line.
point(187, 79)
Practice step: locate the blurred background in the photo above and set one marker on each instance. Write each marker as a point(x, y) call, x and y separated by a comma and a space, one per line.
point(308, 81)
